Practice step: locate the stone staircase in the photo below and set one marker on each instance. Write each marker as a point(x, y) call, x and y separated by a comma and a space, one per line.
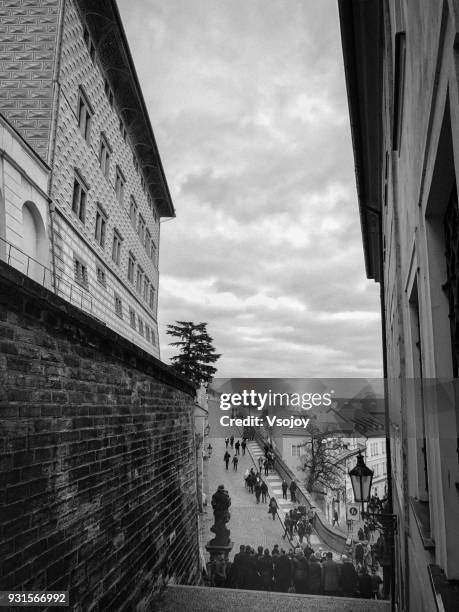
point(274, 482)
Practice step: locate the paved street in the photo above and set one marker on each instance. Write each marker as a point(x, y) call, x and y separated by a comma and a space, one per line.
point(250, 522)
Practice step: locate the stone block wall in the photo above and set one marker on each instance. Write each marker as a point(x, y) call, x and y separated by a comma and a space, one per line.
point(97, 467)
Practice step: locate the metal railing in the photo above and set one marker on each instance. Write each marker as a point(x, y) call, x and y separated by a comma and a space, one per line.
point(59, 283)
point(65, 286)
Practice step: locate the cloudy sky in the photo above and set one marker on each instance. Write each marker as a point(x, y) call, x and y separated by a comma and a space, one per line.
point(248, 105)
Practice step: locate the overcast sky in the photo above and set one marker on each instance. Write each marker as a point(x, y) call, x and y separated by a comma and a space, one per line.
point(248, 105)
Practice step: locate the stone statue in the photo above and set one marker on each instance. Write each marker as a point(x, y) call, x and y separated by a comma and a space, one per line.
point(221, 502)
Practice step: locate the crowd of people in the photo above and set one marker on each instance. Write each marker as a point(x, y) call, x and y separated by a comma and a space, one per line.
point(297, 571)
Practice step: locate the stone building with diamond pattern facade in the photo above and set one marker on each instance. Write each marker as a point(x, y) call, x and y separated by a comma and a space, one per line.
point(68, 86)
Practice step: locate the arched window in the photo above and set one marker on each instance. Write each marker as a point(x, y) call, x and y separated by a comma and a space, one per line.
point(34, 242)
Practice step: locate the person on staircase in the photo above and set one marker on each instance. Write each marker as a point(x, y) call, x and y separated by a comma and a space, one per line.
point(264, 491)
point(273, 507)
point(293, 488)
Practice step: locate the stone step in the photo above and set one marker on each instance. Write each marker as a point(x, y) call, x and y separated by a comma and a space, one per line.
point(205, 599)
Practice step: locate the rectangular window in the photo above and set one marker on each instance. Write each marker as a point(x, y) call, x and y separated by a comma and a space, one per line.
point(139, 280)
point(146, 284)
point(116, 247)
point(79, 199)
point(133, 211)
point(84, 116)
point(296, 450)
point(148, 242)
point(120, 182)
point(131, 265)
point(141, 229)
point(153, 338)
point(147, 333)
point(101, 223)
point(104, 156)
point(399, 88)
point(80, 271)
point(151, 300)
point(140, 326)
point(155, 214)
point(118, 306)
point(101, 276)
point(153, 251)
point(132, 318)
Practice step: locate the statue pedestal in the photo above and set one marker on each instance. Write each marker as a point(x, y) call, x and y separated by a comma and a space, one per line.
point(215, 549)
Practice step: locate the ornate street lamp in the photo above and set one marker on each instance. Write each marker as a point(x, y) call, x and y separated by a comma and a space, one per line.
point(361, 478)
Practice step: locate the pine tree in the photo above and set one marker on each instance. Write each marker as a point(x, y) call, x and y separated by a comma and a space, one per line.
point(196, 351)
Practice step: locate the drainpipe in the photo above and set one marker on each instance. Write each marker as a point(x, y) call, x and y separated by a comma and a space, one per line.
point(53, 131)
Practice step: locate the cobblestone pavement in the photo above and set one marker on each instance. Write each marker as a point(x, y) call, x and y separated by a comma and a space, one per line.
point(202, 599)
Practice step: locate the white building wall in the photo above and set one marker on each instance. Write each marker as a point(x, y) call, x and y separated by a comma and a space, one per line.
point(72, 151)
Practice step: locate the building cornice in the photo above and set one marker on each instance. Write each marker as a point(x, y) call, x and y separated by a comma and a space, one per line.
point(361, 36)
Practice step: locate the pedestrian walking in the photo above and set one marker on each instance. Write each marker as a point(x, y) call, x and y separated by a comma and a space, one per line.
point(266, 466)
point(237, 446)
point(257, 492)
point(260, 462)
point(273, 507)
point(235, 462)
point(232, 441)
point(308, 532)
point(264, 491)
point(226, 442)
point(284, 489)
point(226, 458)
point(301, 530)
point(246, 475)
point(335, 519)
point(293, 487)
point(243, 445)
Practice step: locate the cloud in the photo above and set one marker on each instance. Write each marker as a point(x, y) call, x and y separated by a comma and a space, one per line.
point(248, 104)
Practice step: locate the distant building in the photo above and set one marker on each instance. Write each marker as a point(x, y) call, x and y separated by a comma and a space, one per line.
point(84, 220)
point(376, 460)
point(401, 64)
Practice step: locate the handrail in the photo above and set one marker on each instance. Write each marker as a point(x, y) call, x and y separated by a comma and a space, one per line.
point(62, 285)
point(14, 256)
point(330, 537)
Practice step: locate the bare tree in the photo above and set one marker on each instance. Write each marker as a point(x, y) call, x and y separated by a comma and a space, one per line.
point(321, 462)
